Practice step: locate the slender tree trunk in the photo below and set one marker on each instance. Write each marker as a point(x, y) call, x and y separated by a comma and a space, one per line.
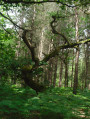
point(55, 72)
point(83, 77)
point(66, 69)
point(87, 78)
point(60, 74)
point(76, 73)
point(72, 70)
point(46, 76)
point(66, 74)
point(50, 72)
point(77, 57)
point(86, 58)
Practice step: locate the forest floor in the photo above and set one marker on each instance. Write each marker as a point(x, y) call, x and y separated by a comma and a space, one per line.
point(54, 103)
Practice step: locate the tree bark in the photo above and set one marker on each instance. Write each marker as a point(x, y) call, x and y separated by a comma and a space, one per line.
point(77, 56)
point(66, 74)
point(60, 74)
point(50, 72)
point(76, 73)
point(87, 59)
point(27, 76)
point(55, 73)
point(46, 76)
point(72, 70)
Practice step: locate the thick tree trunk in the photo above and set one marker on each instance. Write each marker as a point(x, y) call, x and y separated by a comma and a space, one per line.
point(27, 76)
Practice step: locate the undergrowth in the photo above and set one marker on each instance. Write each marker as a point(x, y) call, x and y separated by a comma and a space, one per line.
point(54, 103)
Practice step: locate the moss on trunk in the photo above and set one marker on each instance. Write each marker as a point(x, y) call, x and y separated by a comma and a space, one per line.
point(27, 75)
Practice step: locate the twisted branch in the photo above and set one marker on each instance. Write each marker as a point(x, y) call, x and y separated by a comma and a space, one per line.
point(31, 48)
point(56, 32)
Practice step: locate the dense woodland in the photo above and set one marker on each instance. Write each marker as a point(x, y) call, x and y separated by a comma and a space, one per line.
point(44, 59)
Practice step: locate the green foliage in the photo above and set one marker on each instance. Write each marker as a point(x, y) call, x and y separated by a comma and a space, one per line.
point(10, 65)
point(12, 101)
point(6, 54)
point(23, 103)
point(53, 103)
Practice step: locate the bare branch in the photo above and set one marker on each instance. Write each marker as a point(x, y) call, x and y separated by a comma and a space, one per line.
point(11, 21)
point(5, 30)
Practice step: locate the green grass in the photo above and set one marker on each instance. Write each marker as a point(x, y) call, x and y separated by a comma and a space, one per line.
point(54, 103)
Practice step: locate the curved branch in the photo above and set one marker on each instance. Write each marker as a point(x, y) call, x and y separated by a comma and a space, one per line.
point(11, 21)
point(26, 41)
point(55, 52)
point(56, 32)
point(31, 48)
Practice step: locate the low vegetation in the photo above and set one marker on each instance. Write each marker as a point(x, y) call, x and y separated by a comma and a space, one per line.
point(59, 103)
